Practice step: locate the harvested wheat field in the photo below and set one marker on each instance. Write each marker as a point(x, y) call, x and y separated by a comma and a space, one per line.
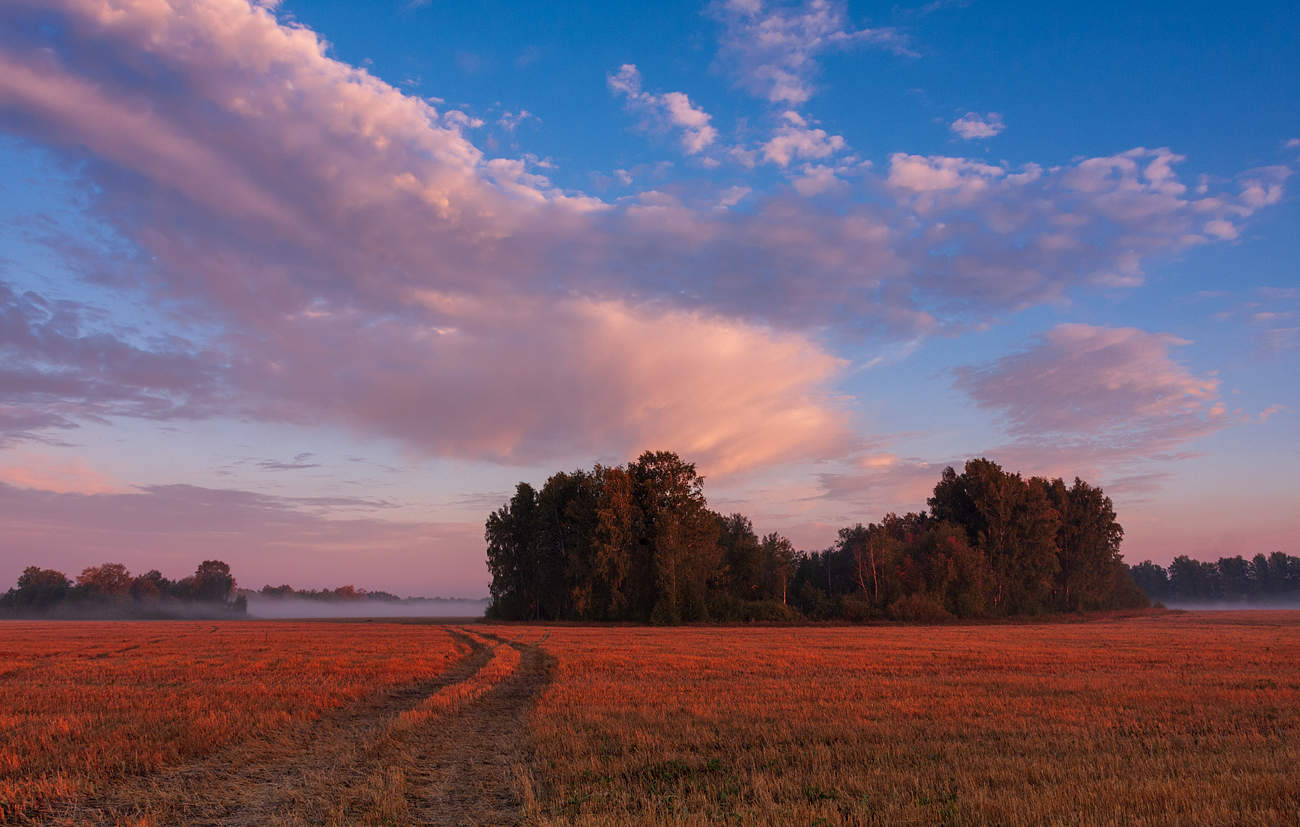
point(1161, 718)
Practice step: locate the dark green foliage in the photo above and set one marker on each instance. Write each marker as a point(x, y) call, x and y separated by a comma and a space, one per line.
point(639, 543)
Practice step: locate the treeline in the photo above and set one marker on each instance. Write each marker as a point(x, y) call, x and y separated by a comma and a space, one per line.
point(110, 591)
point(342, 594)
point(1271, 579)
point(638, 542)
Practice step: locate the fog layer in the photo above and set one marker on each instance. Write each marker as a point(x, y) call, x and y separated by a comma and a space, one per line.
point(279, 608)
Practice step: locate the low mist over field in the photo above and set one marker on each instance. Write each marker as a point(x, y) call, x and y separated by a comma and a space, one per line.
point(287, 608)
point(1229, 606)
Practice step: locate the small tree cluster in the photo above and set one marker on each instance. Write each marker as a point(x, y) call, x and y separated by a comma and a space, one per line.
point(110, 590)
point(1262, 579)
point(639, 543)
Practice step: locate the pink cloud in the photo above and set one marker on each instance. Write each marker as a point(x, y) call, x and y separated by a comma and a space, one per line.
point(795, 138)
point(1098, 391)
point(671, 109)
point(361, 262)
point(45, 473)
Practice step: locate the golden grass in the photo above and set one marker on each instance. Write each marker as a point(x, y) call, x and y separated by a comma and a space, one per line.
point(85, 704)
point(1166, 719)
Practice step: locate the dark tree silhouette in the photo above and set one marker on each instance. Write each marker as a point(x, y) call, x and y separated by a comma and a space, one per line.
point(639, 543)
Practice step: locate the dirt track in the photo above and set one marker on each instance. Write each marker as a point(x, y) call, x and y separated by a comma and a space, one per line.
point(469, 766)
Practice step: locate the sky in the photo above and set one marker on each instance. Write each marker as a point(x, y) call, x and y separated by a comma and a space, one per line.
point(308, 286)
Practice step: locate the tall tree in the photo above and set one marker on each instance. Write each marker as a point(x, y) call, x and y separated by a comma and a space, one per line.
point(681, 532)
point(1087, 543)
point(511, 535)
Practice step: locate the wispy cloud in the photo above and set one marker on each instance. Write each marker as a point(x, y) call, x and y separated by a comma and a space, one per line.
point(669, 110)
point(772, 50)
point(1098, 391)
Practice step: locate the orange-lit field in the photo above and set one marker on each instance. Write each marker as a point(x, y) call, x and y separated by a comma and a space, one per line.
point(83, 704)
point(1157, 719)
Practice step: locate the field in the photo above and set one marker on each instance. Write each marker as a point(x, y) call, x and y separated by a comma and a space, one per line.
point(1164, 718)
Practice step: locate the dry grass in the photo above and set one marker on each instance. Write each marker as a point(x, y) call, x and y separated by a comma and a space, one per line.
point(1167, 719)
point(1161, 719)
point(452, 698)
point(83, 705)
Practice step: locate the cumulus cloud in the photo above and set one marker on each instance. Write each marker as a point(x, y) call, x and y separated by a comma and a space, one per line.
point(1014, 236)
point(669, 109)
point(772, 50)
point(973, 125)
point(796, 139)
point(1097, 391)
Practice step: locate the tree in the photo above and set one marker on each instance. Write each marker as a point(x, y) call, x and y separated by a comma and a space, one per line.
point(213, 582)
point(741, 572)
point(149, 587)
point(1012, 522)
point(617, 547)
point(38, 589)
point(681, 533)
point(1234, 578)
point(1087, 542)
point(111, 581)
point(512, 559)
point(1152, 579)
point(779, 562)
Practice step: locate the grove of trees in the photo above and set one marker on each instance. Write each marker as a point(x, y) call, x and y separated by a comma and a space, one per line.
point(638, 542)
point(109, 590)
point(1272, 579)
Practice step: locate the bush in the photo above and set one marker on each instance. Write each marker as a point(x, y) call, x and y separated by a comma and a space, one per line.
point(918, 608)
point(857, 610)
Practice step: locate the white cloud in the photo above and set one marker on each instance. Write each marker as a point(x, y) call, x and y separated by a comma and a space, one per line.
point(973, 125)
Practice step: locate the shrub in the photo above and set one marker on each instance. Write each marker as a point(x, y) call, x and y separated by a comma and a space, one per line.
point(918, 608)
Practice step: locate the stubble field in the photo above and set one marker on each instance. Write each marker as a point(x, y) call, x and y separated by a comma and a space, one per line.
point(1156, 719)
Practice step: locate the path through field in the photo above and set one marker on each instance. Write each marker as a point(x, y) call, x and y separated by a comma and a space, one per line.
point(450, 750)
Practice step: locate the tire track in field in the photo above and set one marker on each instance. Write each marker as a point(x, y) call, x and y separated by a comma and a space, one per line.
point(475, 768)
point(325, 773)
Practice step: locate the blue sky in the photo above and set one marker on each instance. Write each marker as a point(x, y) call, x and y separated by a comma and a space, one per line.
point(310, 285)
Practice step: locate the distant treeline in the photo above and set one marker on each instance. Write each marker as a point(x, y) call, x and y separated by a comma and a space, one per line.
point(341, 594)
point(1271, 579)
point(110, 591)
point(640, 543)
